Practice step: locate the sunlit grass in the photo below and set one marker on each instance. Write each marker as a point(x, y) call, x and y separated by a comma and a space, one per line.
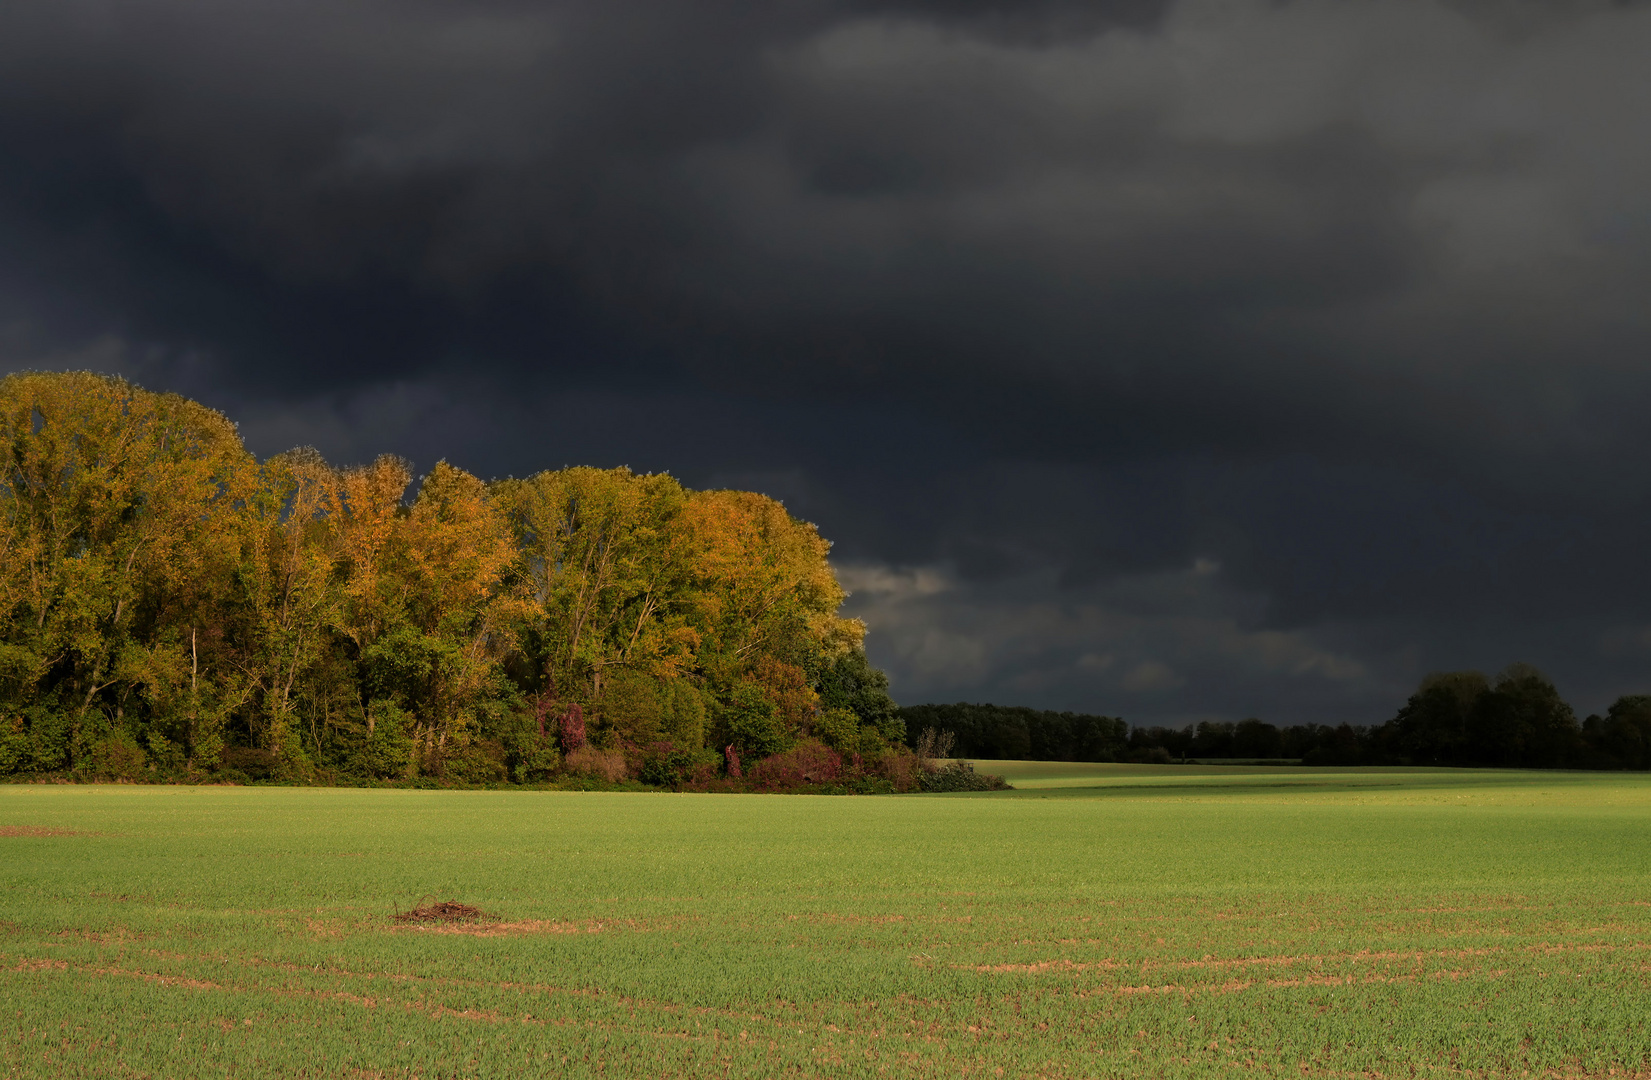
point(1176, 921)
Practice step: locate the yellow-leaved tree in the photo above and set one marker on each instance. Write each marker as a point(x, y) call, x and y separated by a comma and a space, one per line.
point(290, 603)
point(764, 602)
point(118, 516)
point(605, 563)
point(426, 605)
point(170, 607)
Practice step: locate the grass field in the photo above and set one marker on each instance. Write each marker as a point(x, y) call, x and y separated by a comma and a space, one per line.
point(1099, 921)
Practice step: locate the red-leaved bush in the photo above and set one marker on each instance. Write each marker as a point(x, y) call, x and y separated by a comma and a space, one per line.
point(806, 763)
point(807, 767)
point(573, 728)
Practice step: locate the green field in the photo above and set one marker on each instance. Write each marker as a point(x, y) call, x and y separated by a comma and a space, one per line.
point(1099, 921)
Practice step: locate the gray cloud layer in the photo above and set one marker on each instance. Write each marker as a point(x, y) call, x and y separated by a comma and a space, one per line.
point(1177, 360)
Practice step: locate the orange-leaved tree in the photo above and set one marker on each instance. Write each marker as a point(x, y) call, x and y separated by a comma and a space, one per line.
point(427, 603)
point(765, 604)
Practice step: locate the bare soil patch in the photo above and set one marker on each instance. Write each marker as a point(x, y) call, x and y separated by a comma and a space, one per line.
point(35, 830)
point(442, 911)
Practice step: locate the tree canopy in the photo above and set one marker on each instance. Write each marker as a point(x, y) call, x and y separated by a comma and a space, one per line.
point(170, 605)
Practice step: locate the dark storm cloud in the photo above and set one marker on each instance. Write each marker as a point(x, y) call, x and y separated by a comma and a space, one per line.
point(1176, 359)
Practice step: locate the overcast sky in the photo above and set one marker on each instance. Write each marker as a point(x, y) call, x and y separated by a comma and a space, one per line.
point(1175, 361)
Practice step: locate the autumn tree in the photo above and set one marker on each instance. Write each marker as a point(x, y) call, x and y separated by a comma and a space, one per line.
point(426, 603)
point(289, 601)
point(168, 603)
point(764, 605)
point(605, 562)
point(117, 507)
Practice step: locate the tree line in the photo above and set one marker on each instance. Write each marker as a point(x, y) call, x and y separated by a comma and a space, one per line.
point(171, 607)
point(1007, 732)
point(1461, 718)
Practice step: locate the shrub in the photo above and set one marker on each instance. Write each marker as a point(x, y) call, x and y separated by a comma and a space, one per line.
point(961, 776)
point(478, 763)
point(632, 708)
point(806, 763)
point(206, 749)
point(116, 757)
point(663, 764)
point(685, 714)
point(839, 729)
point(934, 743)
point(899, 767)
point(753, 722)
point(251, 762)
point(537, 764)
point(860, 785)
point(572, 727)
point(389, 747)
point(14, 747)
point(49, 733)
point(597, 764)
point(850, 682)
point(871, 745)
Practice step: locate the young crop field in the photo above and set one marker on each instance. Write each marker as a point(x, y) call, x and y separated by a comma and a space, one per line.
point(1097, 921)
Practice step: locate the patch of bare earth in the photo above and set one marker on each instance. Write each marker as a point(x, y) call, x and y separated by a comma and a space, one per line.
point(443, 911)
point(35, 830)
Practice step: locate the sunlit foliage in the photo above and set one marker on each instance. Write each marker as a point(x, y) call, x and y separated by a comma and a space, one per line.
point(170, 607)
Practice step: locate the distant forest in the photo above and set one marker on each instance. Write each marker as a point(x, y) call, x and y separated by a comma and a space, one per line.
point(1517, 720)
point(171, 608)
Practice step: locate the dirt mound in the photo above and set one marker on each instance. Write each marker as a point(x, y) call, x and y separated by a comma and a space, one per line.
point(445, 911)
